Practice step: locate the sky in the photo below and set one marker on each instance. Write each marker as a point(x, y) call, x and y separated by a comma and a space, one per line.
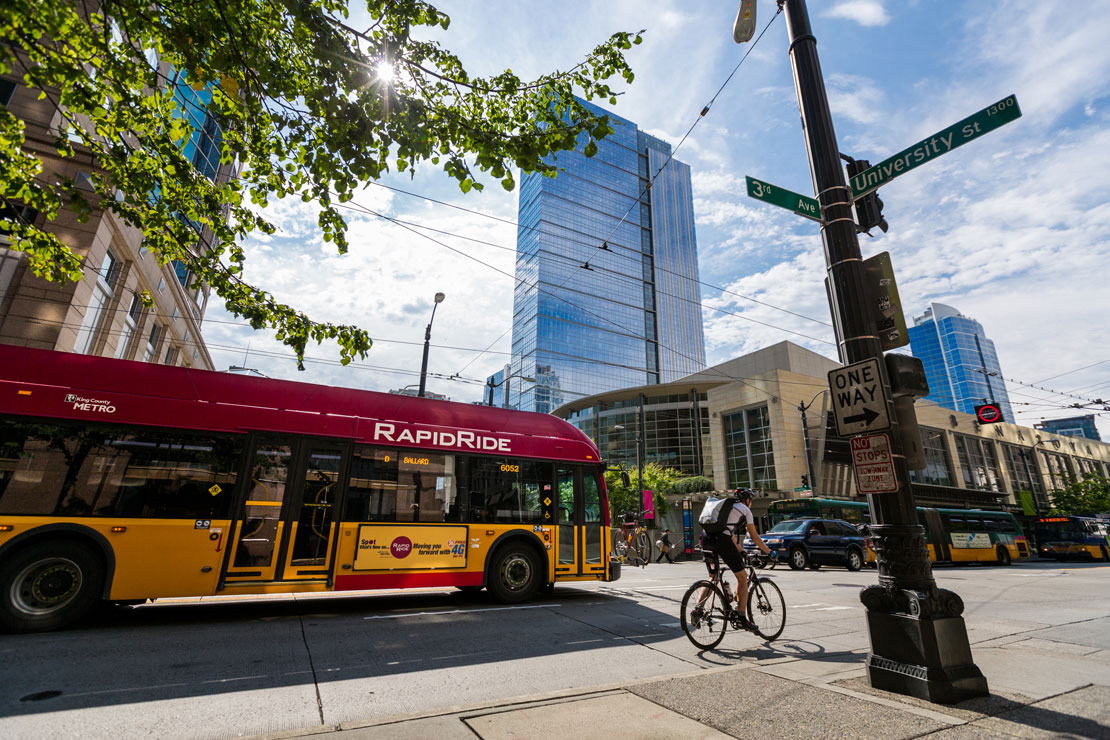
point(1012, 229)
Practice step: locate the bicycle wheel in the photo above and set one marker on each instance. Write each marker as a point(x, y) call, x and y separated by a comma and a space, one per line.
point(704, 622)
point(767, 608)
point(643, 547)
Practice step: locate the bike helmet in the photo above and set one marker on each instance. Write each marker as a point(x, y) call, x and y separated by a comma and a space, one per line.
point(744, 493)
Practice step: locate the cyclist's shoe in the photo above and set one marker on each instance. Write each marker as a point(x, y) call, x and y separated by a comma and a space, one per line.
point(741, 622)
point(696, 616)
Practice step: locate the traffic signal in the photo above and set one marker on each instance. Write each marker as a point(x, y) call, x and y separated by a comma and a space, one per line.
point(869, 208)
point(805, 481)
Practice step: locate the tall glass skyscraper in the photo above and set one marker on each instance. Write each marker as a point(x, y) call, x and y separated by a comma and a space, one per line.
point(960, 362)
point(607, 292)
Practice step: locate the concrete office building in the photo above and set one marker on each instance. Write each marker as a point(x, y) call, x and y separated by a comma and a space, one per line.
point(102, 314)
point(751, 434)
point(607, 294)
point(960, 361)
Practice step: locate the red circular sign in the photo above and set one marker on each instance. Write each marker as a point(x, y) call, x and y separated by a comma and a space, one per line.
point(988, 414)
point(401, 547)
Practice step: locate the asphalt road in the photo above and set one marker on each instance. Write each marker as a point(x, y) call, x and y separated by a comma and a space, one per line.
point(223, 669)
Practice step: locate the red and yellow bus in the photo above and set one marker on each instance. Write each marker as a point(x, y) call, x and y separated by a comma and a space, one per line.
point(127, 481)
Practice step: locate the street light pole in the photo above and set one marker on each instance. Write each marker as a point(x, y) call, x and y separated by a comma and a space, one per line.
point(491, 385)
point(805, 438)
point(919, 643)
point(427, 343)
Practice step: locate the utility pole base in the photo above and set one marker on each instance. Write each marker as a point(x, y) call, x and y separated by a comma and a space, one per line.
point(926, 658)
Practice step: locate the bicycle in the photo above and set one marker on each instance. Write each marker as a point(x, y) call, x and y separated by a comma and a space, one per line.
point(633, 546)
point(707, 609)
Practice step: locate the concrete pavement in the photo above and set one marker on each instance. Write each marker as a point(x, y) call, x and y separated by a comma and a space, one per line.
point(1045, 682)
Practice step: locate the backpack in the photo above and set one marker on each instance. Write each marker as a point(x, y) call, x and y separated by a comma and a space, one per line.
point(714, 515)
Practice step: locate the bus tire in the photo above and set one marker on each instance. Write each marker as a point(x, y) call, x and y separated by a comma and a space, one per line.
point(855, 560)
point(1003, 556)
point(1105, 555)
point(48, 585)
point(515, 575)
point(798, 559)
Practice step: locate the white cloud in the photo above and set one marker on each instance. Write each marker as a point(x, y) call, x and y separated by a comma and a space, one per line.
point(863, 12)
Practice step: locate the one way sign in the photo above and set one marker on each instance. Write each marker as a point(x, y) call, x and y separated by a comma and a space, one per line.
point(859, 399)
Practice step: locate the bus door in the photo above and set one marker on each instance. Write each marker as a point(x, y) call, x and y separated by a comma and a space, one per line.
point(285, 526)
point(938, 534)
point(580, 538)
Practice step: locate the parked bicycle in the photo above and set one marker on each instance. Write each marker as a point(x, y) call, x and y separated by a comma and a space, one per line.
point(707, 608)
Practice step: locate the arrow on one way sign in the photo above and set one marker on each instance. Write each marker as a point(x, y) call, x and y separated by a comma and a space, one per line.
point(865, 418)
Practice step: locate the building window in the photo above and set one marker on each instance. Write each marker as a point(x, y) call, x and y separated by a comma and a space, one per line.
point(161, 286)
point(1059, 470)
point(1024, 477)
point(7, 89)
point(152, 343)
point(979, 463)
point(98, 301)
point(171, 355)
point(938, 464)
point(129, 323)
point(749, 458)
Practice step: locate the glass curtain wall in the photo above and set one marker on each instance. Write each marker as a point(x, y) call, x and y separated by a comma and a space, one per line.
point(749, 456)
point(587, 310)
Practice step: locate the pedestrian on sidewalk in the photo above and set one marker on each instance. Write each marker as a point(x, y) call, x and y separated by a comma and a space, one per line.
point(664, 545)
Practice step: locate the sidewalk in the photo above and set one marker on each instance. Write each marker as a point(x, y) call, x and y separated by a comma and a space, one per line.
point(1044, 683)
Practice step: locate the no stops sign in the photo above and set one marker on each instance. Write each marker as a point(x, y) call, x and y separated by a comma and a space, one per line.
point(988, 413)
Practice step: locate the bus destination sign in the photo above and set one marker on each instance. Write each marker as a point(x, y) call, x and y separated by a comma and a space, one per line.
point(873, 464)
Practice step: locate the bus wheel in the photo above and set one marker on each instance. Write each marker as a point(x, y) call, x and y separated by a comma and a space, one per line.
point(1003, 556)
point(1105, 555)
point(49, 585)
point(855, 560)
point(798, 559)
point(515, 576)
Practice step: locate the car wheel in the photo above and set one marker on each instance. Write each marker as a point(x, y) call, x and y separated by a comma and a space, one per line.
point(514, 577)
point(798, 559)
point(855, 560)
point(49, 585)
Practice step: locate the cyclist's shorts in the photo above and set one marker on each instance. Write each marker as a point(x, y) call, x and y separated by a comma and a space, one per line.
point(725, 546)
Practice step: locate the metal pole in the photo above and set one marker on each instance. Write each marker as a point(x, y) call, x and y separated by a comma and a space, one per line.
point(919, 643)
point(809, 457)
point(489, 382)
point(639, 460)
point(424, 363)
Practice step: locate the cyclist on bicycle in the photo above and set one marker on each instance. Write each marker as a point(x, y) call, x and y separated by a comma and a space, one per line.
point(727, 546)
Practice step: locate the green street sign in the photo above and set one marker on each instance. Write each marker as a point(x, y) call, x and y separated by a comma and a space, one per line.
point(942, 142)
point(800, 489)
point(784, 198)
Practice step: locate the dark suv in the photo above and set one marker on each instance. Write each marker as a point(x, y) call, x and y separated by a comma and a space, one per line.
point(811, 543)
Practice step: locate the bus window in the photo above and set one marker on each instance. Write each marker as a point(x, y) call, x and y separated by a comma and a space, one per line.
point(594, 515)
point(391, 485)
point(372, 487)
point(425, 487)
point(506, 490)
point(69, 470)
